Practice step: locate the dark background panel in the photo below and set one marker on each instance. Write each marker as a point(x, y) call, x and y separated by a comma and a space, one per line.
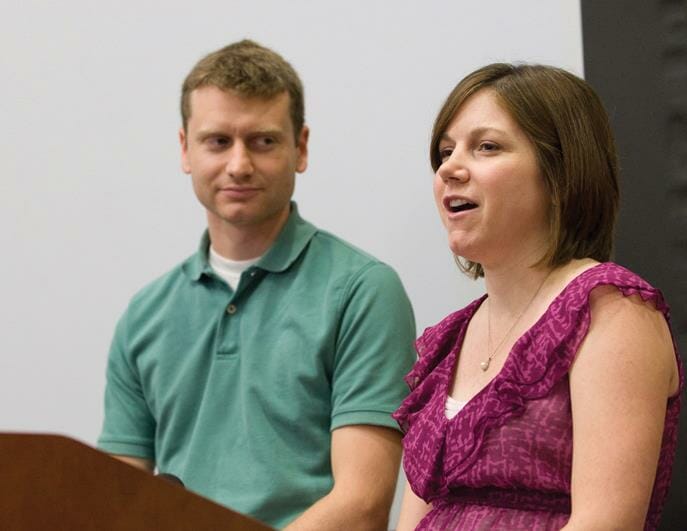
point(635, 56)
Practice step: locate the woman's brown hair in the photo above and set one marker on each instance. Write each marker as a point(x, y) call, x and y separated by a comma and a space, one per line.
point(568, 125)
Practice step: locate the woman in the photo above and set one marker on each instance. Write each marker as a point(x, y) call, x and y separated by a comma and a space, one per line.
point(552, 401)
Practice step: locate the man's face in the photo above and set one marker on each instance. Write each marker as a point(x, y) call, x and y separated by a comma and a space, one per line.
point(242, 156)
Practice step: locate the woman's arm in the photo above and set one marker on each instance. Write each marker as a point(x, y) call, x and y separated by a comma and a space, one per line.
point(413, 509)
point(624, 372)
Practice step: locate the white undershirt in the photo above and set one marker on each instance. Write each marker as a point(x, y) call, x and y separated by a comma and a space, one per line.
point(452, 407)
point(229, 270)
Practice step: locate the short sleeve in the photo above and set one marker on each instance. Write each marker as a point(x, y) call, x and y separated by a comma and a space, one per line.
point(129, 426)
point(374, 349)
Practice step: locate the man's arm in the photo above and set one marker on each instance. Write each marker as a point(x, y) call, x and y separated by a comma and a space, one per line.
point(365, 461)
point(374, 351)
point(138, 462)
point(128, 427)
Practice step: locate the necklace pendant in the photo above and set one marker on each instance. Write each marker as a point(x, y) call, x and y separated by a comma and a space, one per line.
point(485, 365)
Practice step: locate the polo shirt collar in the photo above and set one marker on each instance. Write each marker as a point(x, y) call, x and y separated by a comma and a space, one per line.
point(290, 243)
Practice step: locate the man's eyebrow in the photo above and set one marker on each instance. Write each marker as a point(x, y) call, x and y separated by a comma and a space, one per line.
point(204, 134)
point(207, 133)
point(267, 132)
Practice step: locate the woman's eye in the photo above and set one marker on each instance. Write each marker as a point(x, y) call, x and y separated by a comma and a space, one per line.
point(445, 153)
point(488, 146)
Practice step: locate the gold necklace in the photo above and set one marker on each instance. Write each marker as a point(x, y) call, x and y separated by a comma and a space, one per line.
point(485, 364)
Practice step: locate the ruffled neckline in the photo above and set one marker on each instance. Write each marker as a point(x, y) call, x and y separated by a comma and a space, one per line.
point(452, 358)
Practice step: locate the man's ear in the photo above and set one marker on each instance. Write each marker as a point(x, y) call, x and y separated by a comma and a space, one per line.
point(302, 147)
point(183, 143)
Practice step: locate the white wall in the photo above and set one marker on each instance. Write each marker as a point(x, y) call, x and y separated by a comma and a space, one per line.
point(94, 205)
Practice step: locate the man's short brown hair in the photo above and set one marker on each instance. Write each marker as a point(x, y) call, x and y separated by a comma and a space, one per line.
point(252, 71)
point(568, 125)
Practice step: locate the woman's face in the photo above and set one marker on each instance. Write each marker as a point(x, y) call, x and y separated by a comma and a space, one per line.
point(489, 189)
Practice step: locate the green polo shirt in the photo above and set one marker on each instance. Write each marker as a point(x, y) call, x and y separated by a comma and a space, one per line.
point(236, 393)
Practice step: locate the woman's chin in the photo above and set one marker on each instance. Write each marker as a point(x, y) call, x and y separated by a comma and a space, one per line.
point(463, 252)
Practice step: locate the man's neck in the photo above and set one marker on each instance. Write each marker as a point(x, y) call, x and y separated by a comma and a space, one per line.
point(244, 242)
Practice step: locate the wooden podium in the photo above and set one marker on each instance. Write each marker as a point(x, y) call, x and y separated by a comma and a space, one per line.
point(54, 483)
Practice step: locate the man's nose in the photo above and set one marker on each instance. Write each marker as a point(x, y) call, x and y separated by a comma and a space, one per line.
point(239, 163)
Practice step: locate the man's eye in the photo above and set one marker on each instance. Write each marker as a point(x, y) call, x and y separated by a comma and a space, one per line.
point(264, 142)
point(217, 142)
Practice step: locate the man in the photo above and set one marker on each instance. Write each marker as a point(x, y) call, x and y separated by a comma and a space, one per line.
point(262, 370)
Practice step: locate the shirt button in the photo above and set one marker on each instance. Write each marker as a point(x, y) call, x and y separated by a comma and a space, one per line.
point(231, 309)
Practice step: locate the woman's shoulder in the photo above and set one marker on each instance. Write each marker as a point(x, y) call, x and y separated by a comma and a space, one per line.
point(546, 351)
point(630, 316)
point(598, 281)
point(610, 273)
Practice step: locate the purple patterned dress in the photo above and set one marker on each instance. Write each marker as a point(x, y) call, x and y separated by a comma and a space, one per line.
point(504, 462)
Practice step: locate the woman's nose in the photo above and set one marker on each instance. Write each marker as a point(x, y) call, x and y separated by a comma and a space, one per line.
point(453, 168)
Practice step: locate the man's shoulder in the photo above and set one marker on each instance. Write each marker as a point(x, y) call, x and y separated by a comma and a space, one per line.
point(166, 285)
point(340, 263)
point(346, 254)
